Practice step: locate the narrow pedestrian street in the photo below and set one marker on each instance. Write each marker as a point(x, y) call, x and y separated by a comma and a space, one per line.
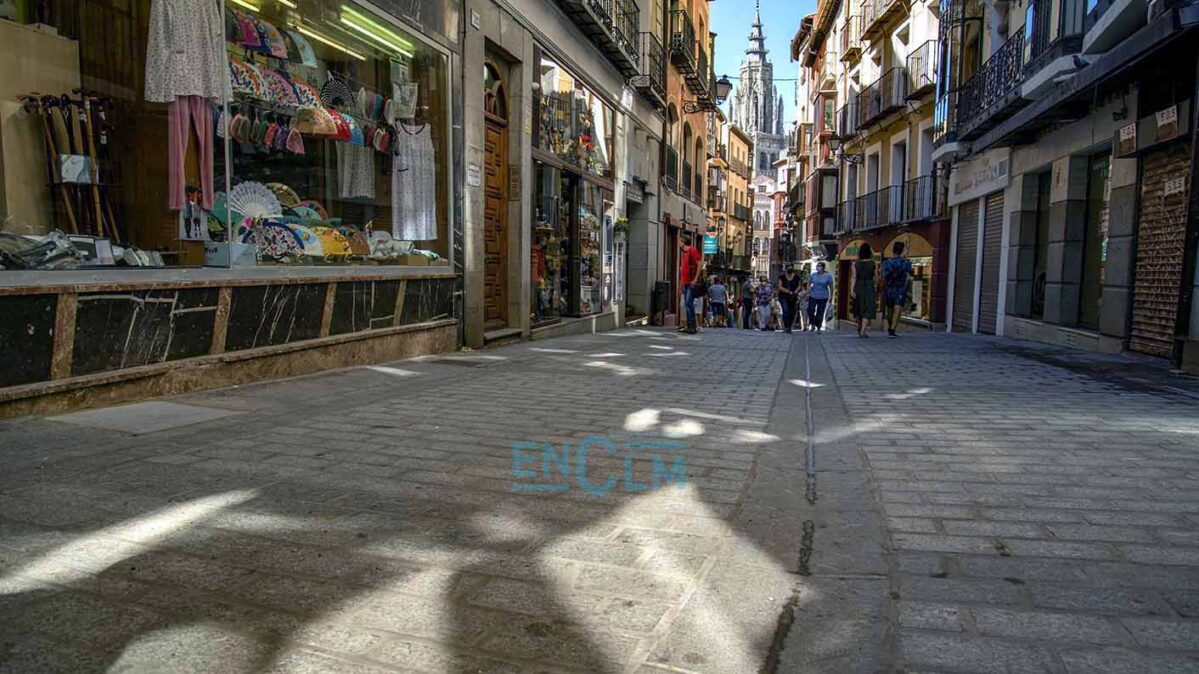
point(635, 501)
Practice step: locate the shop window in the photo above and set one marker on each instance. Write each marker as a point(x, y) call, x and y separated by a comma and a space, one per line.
point(1041, 249)
point(920, 253)
point(550, 246)
point(1094, 252)
point(575, 124)
point(303, 132)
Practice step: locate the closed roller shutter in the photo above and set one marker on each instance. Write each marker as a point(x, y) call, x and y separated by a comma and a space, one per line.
point(963, 274)
point(1160, 237)
point(988, 301)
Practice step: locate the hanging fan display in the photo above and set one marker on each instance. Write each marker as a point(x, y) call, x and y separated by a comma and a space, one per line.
point(336, 92)
point(280, 90)
point(254, 200)
point(273, 240)
point(287, 196)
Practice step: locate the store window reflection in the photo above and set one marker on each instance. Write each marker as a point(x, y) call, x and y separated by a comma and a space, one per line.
point(550, 282)
point(920, 253)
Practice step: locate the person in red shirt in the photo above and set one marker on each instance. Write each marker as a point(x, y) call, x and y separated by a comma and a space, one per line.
point(691, 264)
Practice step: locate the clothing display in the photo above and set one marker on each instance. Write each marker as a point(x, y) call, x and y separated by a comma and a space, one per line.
point(355, 171)
point(414, 185)
point(186, 113)
point(185, 55)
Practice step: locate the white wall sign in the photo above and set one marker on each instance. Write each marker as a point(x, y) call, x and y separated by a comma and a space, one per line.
point(982, 175)
point(473, 177)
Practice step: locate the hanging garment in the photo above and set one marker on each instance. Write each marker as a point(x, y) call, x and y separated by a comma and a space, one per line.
point(186, 113)
point(414, 185)
point(355, 171)
point(186, 51)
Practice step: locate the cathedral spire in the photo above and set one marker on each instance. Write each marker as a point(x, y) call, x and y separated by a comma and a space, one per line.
point(757, 42)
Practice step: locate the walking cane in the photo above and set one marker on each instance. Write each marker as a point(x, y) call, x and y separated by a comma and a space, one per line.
point(52, 150)
point(90, 142)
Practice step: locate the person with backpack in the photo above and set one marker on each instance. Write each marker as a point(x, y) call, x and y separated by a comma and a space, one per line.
point(897, 275)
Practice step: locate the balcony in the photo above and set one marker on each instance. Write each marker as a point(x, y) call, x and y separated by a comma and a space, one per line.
point(890, 205)
point(697, 189)
point(682, 41)
point(922, 70)
point(851, 38)
point(699, 81)
point(867, 210)
point(715, 199)
point(925, 198)
point(612, 25)
point(685, 182)
point(650, 79)
point(887, 94)
point(847, 119)
point(1052, 28)
point(986, 98)
point(876, 14)
point(671, 177)
point(847, 217)
point(739, 167)
point(741, 212)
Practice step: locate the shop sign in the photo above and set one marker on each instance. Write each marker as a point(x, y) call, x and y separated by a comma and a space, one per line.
point(1126, 140)
point(1167, 124)
point(710, 244)
point(473, 177)
point(982, 175)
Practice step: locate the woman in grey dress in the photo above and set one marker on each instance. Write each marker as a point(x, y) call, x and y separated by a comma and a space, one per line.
point(863, 284)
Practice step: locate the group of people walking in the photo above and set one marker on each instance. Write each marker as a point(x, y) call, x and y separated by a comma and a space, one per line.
point(790, 300)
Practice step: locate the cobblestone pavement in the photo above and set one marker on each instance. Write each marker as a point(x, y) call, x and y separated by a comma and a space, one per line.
point(950, 504)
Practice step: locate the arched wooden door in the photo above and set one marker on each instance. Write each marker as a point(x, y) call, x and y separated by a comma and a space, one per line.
point(495, 198)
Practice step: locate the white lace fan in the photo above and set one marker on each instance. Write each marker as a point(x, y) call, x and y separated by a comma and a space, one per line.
point(254, 200)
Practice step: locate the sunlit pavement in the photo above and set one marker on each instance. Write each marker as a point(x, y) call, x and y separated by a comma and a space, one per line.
point(951, 504)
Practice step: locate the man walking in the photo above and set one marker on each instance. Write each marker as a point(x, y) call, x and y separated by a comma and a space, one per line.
point(690, 267)
point(747, 303)
point(718, 296)
point(896, 273)
point(820, 289)
point(788, 288)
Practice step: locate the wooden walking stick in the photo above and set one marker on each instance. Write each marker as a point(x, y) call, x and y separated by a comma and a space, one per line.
point(52, 151)
point(90, 141)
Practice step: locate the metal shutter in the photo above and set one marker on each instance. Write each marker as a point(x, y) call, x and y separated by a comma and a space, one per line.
point(988, 304)
point(1160, 237)
point(963, 274)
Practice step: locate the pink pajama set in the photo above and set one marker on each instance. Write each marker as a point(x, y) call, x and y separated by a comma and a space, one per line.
point(186, 68)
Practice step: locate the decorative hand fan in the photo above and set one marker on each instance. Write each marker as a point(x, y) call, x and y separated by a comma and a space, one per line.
point(336, 93)
point(274, 43)
point(286, 195)
point(308, 240)
point(254, 200)
point(273, 240)
point(306, 95)
point(280, 89)
point(316, 206)
point(358, 242)
point(307, 215)
point(333, 243)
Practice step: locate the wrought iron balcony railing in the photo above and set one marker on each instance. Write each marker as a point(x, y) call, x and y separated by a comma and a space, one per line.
point(924, 198)
point(682, 41)
point(1052, 28)
point(697, 189)
point(922, 69)
point(847, 118)
point(867, 207)
point(851, 38)
point(670, 177)
point(699, 80)
point(650, 79)
point(612, 25)
point(887, 94)
point(999, 77)
point(847, 217)
point(890, 205)
point(741, 212)
point(685, 181)
point(875, 13)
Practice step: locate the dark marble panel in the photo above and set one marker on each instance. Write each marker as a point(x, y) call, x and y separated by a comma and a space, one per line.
point(116, 330)
point(427, 299)
point(363, 305)
point(26, 338)
point(271, 315)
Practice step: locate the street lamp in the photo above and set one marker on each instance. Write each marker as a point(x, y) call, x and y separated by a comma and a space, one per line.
point(723, 87)
point(838, 149)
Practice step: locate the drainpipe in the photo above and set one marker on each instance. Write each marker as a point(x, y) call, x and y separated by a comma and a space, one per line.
point(1186, 290)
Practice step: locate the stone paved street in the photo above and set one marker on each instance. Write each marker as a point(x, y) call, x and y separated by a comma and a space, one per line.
point(950, 504)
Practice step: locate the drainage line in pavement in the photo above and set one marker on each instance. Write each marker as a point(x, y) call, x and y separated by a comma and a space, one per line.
point(805, 547)
point(811, 467)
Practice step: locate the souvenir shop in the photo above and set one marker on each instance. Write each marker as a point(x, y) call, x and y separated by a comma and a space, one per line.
point(574, 212)
point(176, 169)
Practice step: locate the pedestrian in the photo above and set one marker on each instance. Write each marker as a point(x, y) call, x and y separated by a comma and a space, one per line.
point(690, 266)
point(764, 297)
point(863, 284)
point(747, 303)
point(788, 293)
point(897, 277)
point(819, 291)
point(718, 294)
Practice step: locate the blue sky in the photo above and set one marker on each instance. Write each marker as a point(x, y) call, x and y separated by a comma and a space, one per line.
point(732, 20)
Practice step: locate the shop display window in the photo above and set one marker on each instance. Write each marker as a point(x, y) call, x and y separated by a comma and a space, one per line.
point(920, 253)
point(596, 213)
point(244, 133)
point(550, 282)
point(574, 124)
